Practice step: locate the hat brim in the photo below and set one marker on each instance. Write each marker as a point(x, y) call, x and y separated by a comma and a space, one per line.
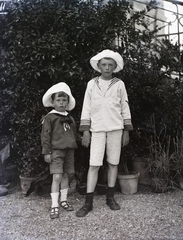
point(107, 54)
point(59, 87)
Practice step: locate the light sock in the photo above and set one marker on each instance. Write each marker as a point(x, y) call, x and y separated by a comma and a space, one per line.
point(63, 195)
point(54, 198)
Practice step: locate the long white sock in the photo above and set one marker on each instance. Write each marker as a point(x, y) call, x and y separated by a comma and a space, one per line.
point(63, 194)
point(54, 198)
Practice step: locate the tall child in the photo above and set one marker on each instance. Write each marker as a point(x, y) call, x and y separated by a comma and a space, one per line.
point(58, 143)
point(105, 122)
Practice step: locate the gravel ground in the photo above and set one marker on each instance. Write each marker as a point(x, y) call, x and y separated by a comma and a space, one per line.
point(144, 215)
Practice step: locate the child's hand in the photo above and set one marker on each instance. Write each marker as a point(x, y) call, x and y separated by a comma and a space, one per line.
point(86, 139)
point(47, 158)
point(125, 138)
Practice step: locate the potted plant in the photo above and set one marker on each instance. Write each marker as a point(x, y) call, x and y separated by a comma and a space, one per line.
point(128, 180)
point(26, 149)
point(26, 144)
point(160, 163)
point(137, 153)
point(177, 164)
point(30, 164)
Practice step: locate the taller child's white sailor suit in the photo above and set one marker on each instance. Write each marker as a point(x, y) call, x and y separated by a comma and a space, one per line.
point(106, 114)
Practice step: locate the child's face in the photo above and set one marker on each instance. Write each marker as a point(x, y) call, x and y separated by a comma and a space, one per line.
point(106, 67)
point(60, 102)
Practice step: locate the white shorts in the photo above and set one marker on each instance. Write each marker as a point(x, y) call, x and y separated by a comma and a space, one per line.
point(109, 141)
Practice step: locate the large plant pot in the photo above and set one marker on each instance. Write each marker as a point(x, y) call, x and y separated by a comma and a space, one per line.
point(128, 182)
point(25, 183)
point(140, 164)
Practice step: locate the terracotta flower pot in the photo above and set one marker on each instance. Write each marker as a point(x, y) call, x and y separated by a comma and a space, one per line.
point(140, 164)
point(128, 182)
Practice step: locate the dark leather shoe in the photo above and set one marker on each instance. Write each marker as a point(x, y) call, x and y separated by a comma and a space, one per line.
point(82, 212)
point(112, 204)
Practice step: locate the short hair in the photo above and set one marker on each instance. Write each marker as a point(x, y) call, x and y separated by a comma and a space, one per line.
point(60, 94)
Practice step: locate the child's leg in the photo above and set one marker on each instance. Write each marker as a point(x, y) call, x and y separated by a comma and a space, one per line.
point(64, 192)
point(91, 184)
point(97, 149)
point(64, 187)
point(55, 186)
point(55, 194)
point(68, 167)
point(92, 178)
point(113, 155)
point(112, 175)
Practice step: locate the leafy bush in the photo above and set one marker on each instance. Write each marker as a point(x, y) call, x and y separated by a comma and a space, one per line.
point(50, 41)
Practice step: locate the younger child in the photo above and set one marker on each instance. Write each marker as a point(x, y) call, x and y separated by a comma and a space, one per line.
point(58, 143)
point(106, 115)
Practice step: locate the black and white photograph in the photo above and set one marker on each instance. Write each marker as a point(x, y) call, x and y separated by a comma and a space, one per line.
point(91, 120)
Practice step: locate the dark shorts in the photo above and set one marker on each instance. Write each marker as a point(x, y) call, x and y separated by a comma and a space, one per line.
point(62, 161)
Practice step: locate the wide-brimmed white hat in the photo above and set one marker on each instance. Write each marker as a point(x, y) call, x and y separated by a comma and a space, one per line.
point(59, 87)
point(107, 54)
